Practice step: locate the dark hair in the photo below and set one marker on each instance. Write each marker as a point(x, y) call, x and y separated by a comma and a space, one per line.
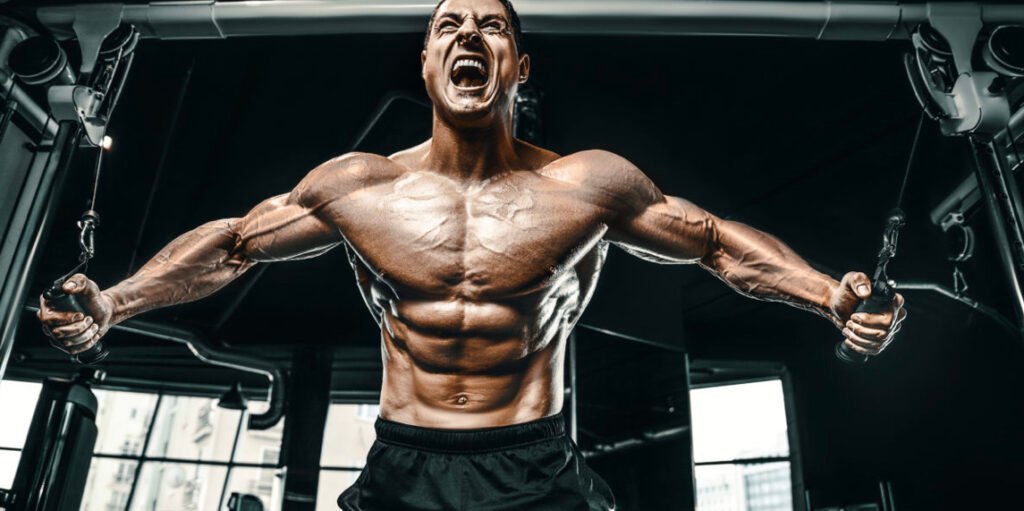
point(513, 19)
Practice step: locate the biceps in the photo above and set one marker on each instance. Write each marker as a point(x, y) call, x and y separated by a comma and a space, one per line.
point(280, 230)
point(672, 231)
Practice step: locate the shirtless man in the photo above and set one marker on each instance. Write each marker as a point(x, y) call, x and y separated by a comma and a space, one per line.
point(476, 254)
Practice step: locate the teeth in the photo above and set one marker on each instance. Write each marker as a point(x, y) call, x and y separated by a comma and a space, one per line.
point(468, 62)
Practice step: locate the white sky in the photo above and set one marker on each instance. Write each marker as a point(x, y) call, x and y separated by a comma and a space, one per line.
point(739, 421)
point(19, 400)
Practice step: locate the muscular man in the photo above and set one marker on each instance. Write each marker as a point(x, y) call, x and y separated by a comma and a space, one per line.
point(476, 254)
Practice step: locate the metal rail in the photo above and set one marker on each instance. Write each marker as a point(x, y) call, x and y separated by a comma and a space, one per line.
point(844, 20)
point(205, 351)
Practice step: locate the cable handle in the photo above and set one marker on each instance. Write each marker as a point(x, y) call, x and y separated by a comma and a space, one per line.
point(883, 293)
point(57, 299)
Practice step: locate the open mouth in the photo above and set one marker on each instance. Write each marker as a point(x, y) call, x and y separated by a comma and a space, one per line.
point(469, 73)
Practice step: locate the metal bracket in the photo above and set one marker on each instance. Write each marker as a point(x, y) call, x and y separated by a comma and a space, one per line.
point(974, 103)
point(79, 103)
point(93, 22)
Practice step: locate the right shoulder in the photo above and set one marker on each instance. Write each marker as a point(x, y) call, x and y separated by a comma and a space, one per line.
point(344, 174)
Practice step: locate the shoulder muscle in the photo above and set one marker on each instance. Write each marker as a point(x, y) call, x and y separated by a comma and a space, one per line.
point(610, 180)
point(339, 177)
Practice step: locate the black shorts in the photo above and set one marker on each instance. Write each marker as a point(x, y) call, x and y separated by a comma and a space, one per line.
point(531, 466)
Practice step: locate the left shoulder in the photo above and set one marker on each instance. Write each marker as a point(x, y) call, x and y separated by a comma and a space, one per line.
point(606, 174)
point(594, 166)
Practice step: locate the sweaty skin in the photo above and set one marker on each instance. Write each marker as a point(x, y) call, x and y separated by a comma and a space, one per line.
point(475, 252)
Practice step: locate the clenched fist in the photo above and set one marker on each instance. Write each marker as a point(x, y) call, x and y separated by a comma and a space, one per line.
point(865, 333)
point(72, 331)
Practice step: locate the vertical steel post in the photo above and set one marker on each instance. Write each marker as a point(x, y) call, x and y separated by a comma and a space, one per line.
point(28, 230)
point(1005, 211)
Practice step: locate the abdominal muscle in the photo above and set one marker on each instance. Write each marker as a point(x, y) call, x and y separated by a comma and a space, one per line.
point(460, 364)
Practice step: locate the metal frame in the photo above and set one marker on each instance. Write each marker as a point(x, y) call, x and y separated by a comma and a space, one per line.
point(843, 20)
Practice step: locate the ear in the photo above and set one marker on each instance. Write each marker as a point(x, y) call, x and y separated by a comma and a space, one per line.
point(423, 60)
point(524, 68)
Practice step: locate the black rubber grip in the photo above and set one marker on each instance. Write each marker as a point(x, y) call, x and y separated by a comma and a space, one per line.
point(57, 299)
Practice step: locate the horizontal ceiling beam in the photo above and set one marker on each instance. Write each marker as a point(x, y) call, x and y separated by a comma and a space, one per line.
point(840, 20)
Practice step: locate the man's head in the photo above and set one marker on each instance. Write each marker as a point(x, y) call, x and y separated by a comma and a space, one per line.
point(471, 61)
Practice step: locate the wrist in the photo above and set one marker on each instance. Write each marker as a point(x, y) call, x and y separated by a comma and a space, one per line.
point(827, 300)
point(115, 303)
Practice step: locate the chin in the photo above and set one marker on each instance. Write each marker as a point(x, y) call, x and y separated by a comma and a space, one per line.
point(470, 110)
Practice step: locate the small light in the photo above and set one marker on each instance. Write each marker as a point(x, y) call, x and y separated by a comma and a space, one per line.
point(107, 143)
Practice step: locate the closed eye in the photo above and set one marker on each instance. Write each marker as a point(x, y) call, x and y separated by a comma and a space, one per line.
point(494, 28)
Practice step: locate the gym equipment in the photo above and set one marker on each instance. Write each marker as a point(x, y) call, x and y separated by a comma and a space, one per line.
point(977, 100)
point(58, 450)
point(40, 61)
point(58, 299)
point(244, 502)
point(882, 288)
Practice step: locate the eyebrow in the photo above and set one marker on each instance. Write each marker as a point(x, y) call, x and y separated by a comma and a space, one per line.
point(484, 19)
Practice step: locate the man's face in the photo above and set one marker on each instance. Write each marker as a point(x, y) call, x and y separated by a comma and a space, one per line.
point(471, 66)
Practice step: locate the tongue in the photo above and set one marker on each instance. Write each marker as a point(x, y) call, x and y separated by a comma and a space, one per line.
point(468, 76)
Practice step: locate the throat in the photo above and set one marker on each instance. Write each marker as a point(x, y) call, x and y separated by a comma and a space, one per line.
point(473, 153)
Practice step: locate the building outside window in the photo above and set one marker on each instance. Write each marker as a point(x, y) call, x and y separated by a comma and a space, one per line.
point(741, 447)
point(19, 401)
point(348, 435)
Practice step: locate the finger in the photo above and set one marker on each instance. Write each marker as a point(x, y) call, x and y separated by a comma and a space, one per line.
point(900, 316)
point(71, 329)
point(881, 320)
point(75, 284)
point(863, 351)
point(898, 301)
point(55, 318)
point(87, 345)
point(90, 295)
point(83, 337)
point(874, 334)
point(870, 346)
point(859, 284)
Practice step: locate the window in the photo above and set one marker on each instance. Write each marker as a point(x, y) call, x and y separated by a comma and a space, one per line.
point(19, 401)
point(741, 447)
point(159, 452)
point(348, 435)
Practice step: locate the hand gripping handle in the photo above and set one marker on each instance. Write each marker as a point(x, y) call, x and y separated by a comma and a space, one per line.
point(59, 300)
point(882, 295)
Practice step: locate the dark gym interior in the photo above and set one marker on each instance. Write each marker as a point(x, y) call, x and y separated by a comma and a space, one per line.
point(806, 139)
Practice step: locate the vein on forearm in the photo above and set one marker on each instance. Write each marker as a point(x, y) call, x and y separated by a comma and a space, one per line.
point(759, 265)
point(194, 265)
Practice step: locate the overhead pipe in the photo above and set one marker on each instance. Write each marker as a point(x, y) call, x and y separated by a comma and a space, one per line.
point(27, 107)
point(204, 350)
point(845, 20)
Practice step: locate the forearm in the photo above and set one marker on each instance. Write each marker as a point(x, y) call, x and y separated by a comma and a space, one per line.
point(758, 265)
point(193, 266)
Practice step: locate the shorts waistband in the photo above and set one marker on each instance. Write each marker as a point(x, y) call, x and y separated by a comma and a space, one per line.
point(470, 440)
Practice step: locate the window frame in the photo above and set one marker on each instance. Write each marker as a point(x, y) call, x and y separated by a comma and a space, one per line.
point(736, 372)
point(348, 400)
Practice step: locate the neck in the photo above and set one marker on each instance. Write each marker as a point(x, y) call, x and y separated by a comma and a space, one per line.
point(472, 153)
